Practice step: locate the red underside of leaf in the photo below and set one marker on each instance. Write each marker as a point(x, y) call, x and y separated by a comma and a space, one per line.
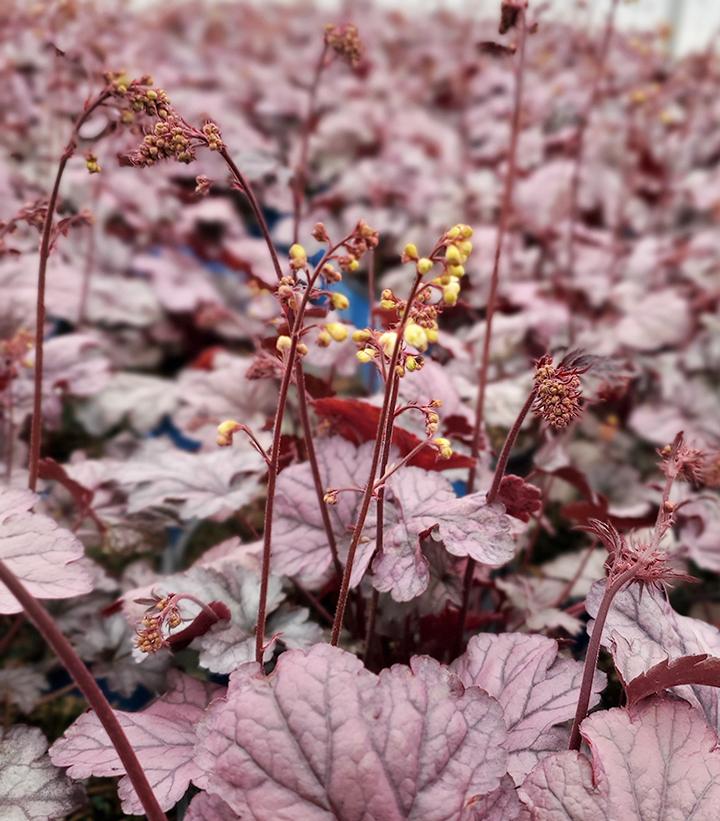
point(699, 669)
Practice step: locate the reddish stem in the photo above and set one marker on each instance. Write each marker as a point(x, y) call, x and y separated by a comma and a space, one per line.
point(88, 687)
point(593, 651)
point(36, 423)
point(582, 129)
point(314, 466)
point(300, 176)
point(383, 439)
point(504, 219)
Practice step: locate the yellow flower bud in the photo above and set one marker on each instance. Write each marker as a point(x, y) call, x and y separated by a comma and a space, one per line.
point(361, 336)
point(411, 251)
point(453, 255)
point(432, 334)
point(454, 232)
point(450, 293)
point(324, 339)
point(302, 349)
point(340, 302)
point(387, 304)
point(297, 252)
point(466, 247)
point(225, 431)
point(366, 355)
point(456, 270)
point(444, 446)
point(465, 231)
point(415, 335)
point(337, 331)
point(283, 343)
point(387, 342)
point(424, 266)
point(410, 363)
point(353, 265)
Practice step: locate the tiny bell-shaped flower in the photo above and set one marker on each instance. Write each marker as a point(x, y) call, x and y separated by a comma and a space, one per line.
point(387, 342)
point(416, 336)
point(283, 343)
point(225, 432)
point(424, 266)
point(443, 445)
point(337, 331)
point(340, 302)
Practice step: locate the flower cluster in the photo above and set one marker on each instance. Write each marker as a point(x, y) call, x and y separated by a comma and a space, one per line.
point(161, 616)
point(557, 390)
point(651, 563)
point(345, 42)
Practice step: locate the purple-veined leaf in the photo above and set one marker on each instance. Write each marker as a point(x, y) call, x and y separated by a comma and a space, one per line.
point(31, 787)
point(207, 807)
point(655, 761)
point(323, 738)
point(502, 804)
point(162, 735)
point(536, 689)
point(42, 555)
point(417, 502)
point(700, 669)
point(200, 485)
point(642, 630)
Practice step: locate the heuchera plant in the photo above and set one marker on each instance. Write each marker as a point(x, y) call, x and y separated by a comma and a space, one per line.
point(358, 398)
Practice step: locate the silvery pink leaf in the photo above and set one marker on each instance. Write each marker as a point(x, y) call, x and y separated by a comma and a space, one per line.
point(321, 738)
point(644, 630)
point(470, 527)
point(502, 804)
point(21, 686)
point(31, 788)
point(655, 761)
point(699, 532)
point(535, 688)
point(534, 602)
point(654, 320)
point(300, 547)
point(42, 555)
point(179, 281)
point(216, 483)
point(162, 735)
point(73, 365)
point(139, 400)
point(207, 807)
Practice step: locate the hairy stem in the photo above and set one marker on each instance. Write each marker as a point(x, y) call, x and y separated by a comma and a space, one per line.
point(383, 438)
point(36, 422)
point(593, 651)
point(88, 687)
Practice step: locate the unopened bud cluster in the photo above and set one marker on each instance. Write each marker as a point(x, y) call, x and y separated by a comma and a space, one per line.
point(162, 616)
point(557, 393)
point(345, 42)
point(679, 461)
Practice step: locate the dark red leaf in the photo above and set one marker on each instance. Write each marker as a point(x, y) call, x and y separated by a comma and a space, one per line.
point(699, 669)
point(357, 422)
point(521, 499)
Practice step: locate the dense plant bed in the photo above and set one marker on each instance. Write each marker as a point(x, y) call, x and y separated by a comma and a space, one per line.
point(359, 431)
